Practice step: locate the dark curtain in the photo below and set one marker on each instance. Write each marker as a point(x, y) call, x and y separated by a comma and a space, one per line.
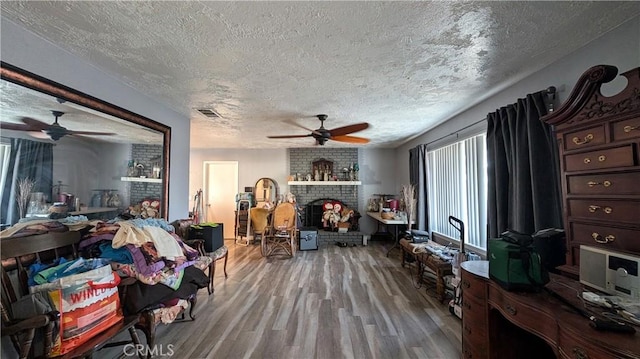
point(28, 159)
point(523, 171)
point(418, 178)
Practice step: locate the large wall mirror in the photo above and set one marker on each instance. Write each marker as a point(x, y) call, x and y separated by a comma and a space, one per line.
point(105, 160)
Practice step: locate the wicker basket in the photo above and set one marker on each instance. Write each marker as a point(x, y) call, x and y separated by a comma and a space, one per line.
point(387, 215)
point(58, 209)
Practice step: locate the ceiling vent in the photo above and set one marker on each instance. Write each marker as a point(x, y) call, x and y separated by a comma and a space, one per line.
point(210, 113)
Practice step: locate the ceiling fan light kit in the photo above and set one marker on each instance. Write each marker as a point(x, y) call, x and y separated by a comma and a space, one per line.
point(340, 134)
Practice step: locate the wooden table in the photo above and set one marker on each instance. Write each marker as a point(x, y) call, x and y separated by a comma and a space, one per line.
point(438, 266)
point(395, 223)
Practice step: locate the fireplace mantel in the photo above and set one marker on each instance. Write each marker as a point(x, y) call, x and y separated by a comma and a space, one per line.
point(324, 183)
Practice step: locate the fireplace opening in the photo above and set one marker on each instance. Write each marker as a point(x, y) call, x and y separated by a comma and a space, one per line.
point(313, 212)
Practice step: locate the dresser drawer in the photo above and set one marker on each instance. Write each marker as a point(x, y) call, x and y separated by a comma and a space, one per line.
point(470, 351)
point(474, 310)
point(474, 321)
point(605, 236)
point(627, 129)
point(611, 210)
point(525, 316)
point(612, 183)
point(584, 138)
point(473, 286)
point(574, 347)
point(611, 157)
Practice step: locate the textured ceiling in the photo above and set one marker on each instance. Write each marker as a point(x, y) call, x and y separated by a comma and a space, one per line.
point(403, 67)
point(17, 102)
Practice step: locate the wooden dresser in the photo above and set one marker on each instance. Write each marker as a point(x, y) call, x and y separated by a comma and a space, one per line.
point(599, 147)
point(501, 324)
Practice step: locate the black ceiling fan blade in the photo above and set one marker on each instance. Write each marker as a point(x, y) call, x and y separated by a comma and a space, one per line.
point(90, 133)
point(35, 124)
point(290, 136)
point(304, 128)
point(350, 139)
point(345, 130)
point(15, 127)
point(41, 135)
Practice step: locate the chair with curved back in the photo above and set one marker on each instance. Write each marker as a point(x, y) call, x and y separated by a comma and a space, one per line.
point(20, 322)
point(280, 236)
point(259, 221)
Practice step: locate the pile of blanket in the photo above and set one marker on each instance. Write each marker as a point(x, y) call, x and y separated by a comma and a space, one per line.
point(165, 267)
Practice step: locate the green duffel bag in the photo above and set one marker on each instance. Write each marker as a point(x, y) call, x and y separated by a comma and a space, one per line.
point(516, 267)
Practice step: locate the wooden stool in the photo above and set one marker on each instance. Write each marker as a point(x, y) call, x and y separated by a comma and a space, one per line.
point(219, 253)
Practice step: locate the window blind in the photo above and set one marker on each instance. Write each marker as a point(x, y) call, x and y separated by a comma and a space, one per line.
point(457, 186)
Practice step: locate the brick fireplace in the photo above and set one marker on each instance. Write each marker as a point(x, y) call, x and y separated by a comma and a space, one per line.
point(314, 211)
point(301, 160)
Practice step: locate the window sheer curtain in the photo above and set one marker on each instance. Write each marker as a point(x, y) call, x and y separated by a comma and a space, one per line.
point(418, 178)
point(28, 159)
point(523, 175)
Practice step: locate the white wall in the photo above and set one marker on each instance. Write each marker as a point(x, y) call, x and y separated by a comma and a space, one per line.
point(27, 51)
point(620, 47)
point(379, 174)
point(253, 164)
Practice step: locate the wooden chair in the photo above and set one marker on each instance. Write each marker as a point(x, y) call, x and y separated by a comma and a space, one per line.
point(281, 234)
point(17, 255)
point(259, 221)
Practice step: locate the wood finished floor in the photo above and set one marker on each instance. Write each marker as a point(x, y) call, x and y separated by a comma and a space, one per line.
point(331, 303)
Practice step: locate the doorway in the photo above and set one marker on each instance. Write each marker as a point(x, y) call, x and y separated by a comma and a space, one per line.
point(220, 189)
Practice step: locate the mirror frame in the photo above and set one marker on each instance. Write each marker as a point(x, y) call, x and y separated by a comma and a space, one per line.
point(32, 81)
point(275, 184)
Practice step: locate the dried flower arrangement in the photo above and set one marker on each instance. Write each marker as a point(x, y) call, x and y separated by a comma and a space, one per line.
point(25, 186)
point(410, 202)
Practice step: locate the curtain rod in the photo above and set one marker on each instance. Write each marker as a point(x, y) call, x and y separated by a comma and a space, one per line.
point(457, 132)
point(549, 91)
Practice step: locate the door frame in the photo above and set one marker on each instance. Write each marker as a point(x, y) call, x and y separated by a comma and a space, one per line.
point(205, 188)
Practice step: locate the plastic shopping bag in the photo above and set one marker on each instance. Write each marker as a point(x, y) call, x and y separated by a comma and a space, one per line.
point(88, 303)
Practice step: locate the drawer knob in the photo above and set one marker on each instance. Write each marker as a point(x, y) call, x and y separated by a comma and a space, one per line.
point(586, 139)
point(466, 284)
point(511, 310)
point(598, 238)
point(587, 160)
point(594, 208)
point(628, 129)
point(578, 353)
point(594, 183)
point(465, 304)
point(602, 158)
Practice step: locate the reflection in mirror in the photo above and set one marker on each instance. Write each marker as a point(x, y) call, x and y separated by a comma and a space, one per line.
point(266, 192)
point(78, 155)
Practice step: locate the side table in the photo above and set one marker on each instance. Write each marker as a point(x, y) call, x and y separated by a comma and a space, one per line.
point(438, 266)
point(219, 253)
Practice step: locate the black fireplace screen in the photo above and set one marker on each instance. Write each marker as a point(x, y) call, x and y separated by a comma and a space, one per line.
point(313, 212)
